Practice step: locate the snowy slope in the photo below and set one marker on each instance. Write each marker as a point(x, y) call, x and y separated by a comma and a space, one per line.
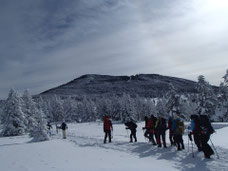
point(84, 150)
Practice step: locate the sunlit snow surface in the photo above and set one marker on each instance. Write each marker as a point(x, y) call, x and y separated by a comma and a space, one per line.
point(84, 150)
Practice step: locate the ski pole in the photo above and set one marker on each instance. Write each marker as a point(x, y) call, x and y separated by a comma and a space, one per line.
point(192, 150)
point(188, 140)
point(188, 144)
point(215, 149)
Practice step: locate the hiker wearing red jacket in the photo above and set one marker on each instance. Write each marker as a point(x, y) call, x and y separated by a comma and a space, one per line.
point(149, 126)
point(107, 128)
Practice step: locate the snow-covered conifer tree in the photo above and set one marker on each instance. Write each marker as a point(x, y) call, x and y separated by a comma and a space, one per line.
point(102, 107)
point(88, 110)
point(128, 109)
point(13, 119)
point(222, 107)
point(206, 99)
point(173, 103)
point(44, 105)
point(69, 109)
point(29, 109)
point(188, 107)
point(115, 108)
point(39, 131)
point(161, 107)
point(57, 109)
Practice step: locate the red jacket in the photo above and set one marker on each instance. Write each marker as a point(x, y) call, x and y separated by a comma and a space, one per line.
point(149, 124)
point(107, 124)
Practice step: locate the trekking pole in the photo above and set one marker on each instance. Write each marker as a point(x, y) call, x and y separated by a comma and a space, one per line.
point(188, 144)
point(215, 149)
point(192, 150)
point(188, 140)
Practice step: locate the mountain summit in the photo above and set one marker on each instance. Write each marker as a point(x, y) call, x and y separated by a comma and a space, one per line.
point(143, 85)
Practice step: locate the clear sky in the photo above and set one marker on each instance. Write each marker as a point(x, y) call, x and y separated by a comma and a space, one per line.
point(45, 43)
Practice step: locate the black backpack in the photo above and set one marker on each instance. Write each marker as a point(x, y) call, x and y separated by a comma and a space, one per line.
point(205, 124)
point(131, 124)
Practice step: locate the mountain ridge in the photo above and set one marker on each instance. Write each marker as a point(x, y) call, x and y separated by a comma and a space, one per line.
point(143, 85)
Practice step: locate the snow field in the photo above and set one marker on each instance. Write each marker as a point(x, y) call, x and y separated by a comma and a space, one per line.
point(84, 150)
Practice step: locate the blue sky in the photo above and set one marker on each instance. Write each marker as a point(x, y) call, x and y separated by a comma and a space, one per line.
point(45, 43)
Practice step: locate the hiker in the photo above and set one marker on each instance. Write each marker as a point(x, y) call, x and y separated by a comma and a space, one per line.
point(178, 133)
point(195, 131)
point(49, 127)
point(149, 126)
point(171, 126)
point(153, 132)
point(107, 128)
point(206, 131)
point(132, 126)
point(161, 127)
point(64, 128)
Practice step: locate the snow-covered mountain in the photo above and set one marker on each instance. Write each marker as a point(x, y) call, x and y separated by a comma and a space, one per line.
point(144, 85)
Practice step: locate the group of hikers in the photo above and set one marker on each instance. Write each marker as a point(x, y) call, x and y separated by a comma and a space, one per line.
point(155, 130)
point(63, 127)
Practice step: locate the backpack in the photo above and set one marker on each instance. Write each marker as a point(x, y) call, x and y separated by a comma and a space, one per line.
point(134, 125)
point(179, 127)
point(131, 125)
point(205, 125)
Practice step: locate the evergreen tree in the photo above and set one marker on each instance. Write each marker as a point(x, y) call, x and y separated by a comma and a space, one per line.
point(70, 109)
point(57, 109)
point(222, 107)
point(44, 105)
point(188, 107)
point(30, 110)
point(128, 109)
point(13, 120)
point(39, 131)
point(115, 108)
point(102, 107)
point(206, 98)
point(173, 101)
point(162, 108)
point(88, 110)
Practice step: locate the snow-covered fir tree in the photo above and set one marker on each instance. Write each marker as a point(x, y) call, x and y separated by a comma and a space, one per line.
point(128, 109)
point(162, 108)
point(70, 109)
point(13, 119)
point(115, 108)
point(145, 107)
point(44, 105)
point(57, 109)
point(1, 110)
point(39, 131)
point(206, 99)
point(222, 107)
point(29, 109)
point(88, 111)
point(188, 107)
point(102, 107)
point(173, 101)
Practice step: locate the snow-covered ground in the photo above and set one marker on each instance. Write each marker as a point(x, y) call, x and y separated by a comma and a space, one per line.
point(84, 150)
